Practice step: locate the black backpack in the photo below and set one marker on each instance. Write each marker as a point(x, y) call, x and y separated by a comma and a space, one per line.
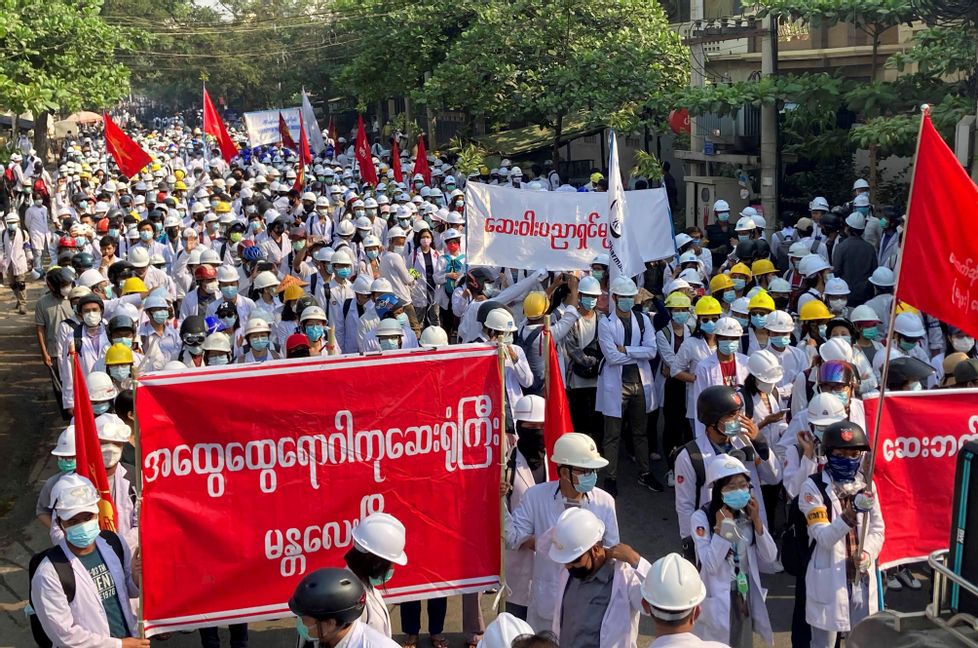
point(62, 565)
point(796, 547)
point(593, 350)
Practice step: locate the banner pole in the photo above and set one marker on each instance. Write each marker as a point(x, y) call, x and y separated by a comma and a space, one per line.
point(884, 374)
point(504, 477)
point(140, 617)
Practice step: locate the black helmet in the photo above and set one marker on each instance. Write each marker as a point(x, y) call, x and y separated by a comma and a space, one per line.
point(831, 221)
point(120, 271)
point(716, 402)
point(477, 278)
point(59, 277)
point(194, 325)
point(120, 322)
point(907, 370)
point(746, 251)
point(90, 298)
point(82, 261)
point(329, 594)
point(841, 321)
point(485, 307)
point(761, 249)
point(303, 303)
point(845, 435)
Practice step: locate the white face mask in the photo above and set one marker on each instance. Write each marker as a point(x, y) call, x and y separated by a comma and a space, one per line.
point(963, 344)
point(211, 287)
point(111, 454)
point(765, 387)
point(92, 318)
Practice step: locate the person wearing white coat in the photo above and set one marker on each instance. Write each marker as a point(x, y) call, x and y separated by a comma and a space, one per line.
point(541, 505)
point(672, 594)
point(595, 576)
point(15, 259)
point(725, 367)
point(378, 545)
point(731, 541)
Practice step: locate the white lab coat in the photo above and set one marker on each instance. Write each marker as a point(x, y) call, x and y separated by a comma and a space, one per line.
point(363, 636)
point(664, 342)
point(519, 562)
point(717, 572)
point(684, 640)
point(619, 625)
point(82, 623)
point(14, 259)
point(709, 374)
point(827, 605)
point(375, 614)
point(535, 517)
point(690, 354)
point(90, 355)
point(638, 350)
point(793, 361)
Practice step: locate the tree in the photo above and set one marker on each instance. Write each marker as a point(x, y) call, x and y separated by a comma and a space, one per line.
point(57, 55)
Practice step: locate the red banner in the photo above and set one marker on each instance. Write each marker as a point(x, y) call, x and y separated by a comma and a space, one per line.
point(255, 475)
point(920, 435)
point(365, 161)
point(129, 156)
point(214, 126)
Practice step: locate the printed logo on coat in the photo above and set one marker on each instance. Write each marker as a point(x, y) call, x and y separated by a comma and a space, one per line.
point(680, 479)
point(701, 532)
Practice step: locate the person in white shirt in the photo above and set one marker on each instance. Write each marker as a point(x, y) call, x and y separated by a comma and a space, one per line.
point(16, 259)
point(671, 594)
point(329, 604)
point(378, 545)
point(394, 269)
point(38, 224)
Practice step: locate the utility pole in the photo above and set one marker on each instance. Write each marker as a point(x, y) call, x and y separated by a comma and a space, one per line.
point(770, 153)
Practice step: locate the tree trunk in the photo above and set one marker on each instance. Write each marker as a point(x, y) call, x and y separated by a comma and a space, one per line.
point(558, 131)
point(41, 136)
point(873, 162)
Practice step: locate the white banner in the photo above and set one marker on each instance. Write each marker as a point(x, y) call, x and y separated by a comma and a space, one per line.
point(263, 126)
point(555, 230)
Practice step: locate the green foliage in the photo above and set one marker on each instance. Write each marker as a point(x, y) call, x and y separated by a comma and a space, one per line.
point(869, 15)
point(470, 156)
point(647, 166)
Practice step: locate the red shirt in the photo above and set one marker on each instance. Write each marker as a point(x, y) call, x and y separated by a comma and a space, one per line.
point(728, 368)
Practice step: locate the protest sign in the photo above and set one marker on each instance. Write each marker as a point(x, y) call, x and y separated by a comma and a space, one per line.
point(263, 125)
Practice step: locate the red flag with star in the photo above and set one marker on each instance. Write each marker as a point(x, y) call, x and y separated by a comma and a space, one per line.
point(129, 156)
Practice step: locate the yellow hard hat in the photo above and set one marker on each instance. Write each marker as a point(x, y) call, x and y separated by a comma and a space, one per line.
point(155, 166)
point(814, 310)
point(904, 307)
point(222, 208)
point(292, 292)
point(678, 299)
point(484, 170)
point(720, 282)
point(535, 304)
point(179, 185)
point(741, 269)
point(761, 301)
point(596, 177)
point(708, 306)
point(118, 354)
point(133, 285)
point(762, 267)
point(180, 174)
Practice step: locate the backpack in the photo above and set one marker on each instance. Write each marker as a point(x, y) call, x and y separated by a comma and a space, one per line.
point(749, 400)
point(62, 565)
point(593, 350)
point(699, 462)
point(785, 241)
point(796, 547)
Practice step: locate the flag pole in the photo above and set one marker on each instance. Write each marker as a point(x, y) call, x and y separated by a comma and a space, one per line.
point(884, 374)
point(546, 379)
point(141, 617)
point(500, 602)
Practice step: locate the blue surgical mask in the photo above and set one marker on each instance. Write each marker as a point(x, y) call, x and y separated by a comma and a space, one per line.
point(871, 332)
point(743, 321)
point(101, 408)
point(229, 292)
point(680, 317)
point(402, 319)
point(588, 303)
point(843, 469)
point(113, 232)
point(708, 327)
point(598, 274)
point(732, 427)
point(372, 254)
point(314, 332)
point(228, 322)
point(145, 236)
point(66, 465)
point(344, 272)
point(388, 344)
point(160, 316)
point(727, 347)
point(217, 360)
point(626, 303)
point(843, 397)
point(120, 372)
point(126, 341)
point(377, 582)
point(916, 386)
point(822, 330)
point(780, 341)
point(884, 223)
point(489, 289)
point(586, 482)
point(759, 321)
point(398, 249)
point(739, 284)
point(723, 217)
point(84, 534)
point(743, 237)
point(303, 630)
point(298, 245)
point(729, 296)
point(736, 499)
point(109, 292)
point(907, 345)
point(259, 343)
point(81, 241)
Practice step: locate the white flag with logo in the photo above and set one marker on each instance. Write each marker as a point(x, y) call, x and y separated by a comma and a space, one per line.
point(623, 247)
point(313, 133)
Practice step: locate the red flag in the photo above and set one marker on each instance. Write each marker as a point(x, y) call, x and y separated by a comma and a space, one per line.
point(283, 131)
point(421, 162)
point(331, 132)
point(367, 171)
point(129, 156)
point(558, 418)
point(88, 450)
point(305, 156)
point(939, 268)
point(214, 125)
point(396, 162)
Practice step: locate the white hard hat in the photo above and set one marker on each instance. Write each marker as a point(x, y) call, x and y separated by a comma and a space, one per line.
point(589, 286)
point(825, 409)
point(342, 257)
point(139, 257)
point(362, 285)
point(433, 336)
point(882, 277)
point(323, 254)
point(624, 287)
point(779, 285)
point(835, 348)
point(504, 629)
point(309, 196)
point(856, 220)
point(382, 535)
point(66, 443)
point(112, 428)
point(172, 221)
point(740, 305)
point(91, 278)
point(601, 259)
point(812, 264)
point(759, 221)
point(388, 327)
point(836, 286)
point(346, 227)
point(691, 276)
point(381, 285)
point(780, 322)
point(724, 465)
point(860, 183)
point(818, 203)
point(500, 319)
point(863, 313)
point(721, 206)
point(100, 387)
point(683, 239)
point(227, 274)
point(729, 327)
point(673, 587)
point(765, 366)
point(257, 325)
point(210, 257)
point(217, 341)
point(451, 235)
point(577, 450)
point(322, 201)
point(74, 494)
point(371, 241)
point(672, 286)
point(745, 224)
point(862, 200)
point(688, 257)
point(576, 532)
point(266, 279)
point(909, 324)
point(312, 313)
point(530, 408)
point(395, 232)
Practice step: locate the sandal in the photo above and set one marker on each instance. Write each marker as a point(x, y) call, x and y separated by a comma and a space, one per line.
point(410, 641)
point(439, 641)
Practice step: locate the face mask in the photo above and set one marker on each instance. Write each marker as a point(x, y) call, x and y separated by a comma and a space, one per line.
point(764, 387)
point(626, 303)
point(871, 333)
point(729, 296)
point(759, 321)
point(737, 499)
point(228, 322)
point(113, 232)
point(398, 249)
point(843, 469)
point(66, 465)
point(111, 454)
point(739, 284)
point(963, 344)
point(92, 318)
point(215, 361)
point(388, 344)
point(586, 482)
point(598, 274)
point(259, 343)
point(743, 237)
point(120, 372)
point(708, 327)
point(344, 272)
point(843, 397)
point(425, 243)
point(822, 330)
point(377, 582)
point(254, 226)
point(298, 245)
point(780, 303)
point(863, 210)
point(743, 321)
point(838, 305)
point(847, 338)
point(489, 290)
point(588, 303)
point(681, 317)
point(372, 254)
point(403, 319)
point(907, 345)
point(916, 386)
point(101, 408)
point(506, 338)
point(126, 341)
point(80, 241)
point(145, 236)
point(195, 349)
point(723, 217)
point(303, 630)
point(452, 247)
point(11, 228)
point(108, 291)
point(732, 427)
point(884, 223)
point(65, 290)
point(211, 287)
point(229, 292)
point(84, 534)
point(314, 332)
point(727, 347)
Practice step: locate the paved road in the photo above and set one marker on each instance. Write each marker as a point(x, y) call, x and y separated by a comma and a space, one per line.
point(29, 425)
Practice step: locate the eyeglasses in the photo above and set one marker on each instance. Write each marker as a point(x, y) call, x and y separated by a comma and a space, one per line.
point(192, 339)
